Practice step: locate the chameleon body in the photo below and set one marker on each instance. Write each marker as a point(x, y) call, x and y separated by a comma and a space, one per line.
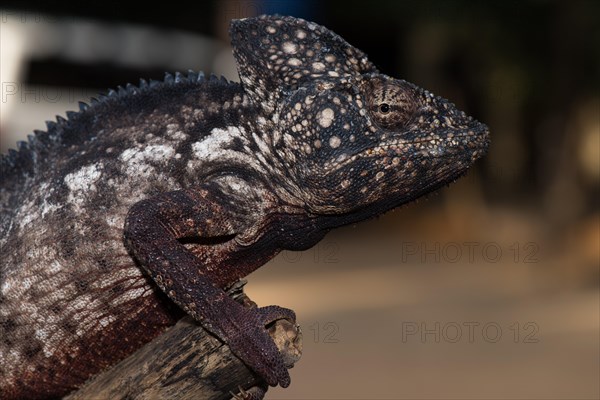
point(150, 201)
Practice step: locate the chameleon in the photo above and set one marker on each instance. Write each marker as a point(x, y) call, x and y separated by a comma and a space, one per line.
point(147, 203)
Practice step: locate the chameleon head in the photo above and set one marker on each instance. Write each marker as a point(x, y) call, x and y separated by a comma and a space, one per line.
point(347, 136)
point(376, 141)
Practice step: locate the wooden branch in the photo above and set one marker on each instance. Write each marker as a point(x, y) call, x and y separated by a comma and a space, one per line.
point(188, 362)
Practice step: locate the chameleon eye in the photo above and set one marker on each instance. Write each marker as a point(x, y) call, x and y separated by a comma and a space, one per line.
point(391, 103)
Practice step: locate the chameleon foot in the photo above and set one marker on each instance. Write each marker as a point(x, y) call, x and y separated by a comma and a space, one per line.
point(255, 347)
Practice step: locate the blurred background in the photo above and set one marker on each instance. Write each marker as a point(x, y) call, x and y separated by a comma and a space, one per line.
point(488, 289)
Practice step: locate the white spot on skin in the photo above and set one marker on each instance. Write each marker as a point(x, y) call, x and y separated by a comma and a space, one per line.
point(379, 175)
point(300, 34)
point(325, 117)
point(54, 267)
point(330, 58)
point(276, 136)
point(289, 47)
point(48, 208)
point(104, 322)
point(6, 286)
point(115, 221)
point(294, 62)
point(216, 147)
point(335, 142)
point(318, 66)
point(80, 183)
point(271, 29)
point(31, 211)
point(148, 153)
point(83, 179)
point(146, 163)
point(27, 214)
point(212, 144)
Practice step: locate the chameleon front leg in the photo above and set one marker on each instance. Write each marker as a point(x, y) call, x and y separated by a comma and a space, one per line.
point(152, 229)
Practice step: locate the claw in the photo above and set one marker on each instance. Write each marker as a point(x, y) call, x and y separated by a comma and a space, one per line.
point(254, 393)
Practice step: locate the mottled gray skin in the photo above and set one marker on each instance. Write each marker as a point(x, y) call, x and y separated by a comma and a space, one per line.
point(154, 198)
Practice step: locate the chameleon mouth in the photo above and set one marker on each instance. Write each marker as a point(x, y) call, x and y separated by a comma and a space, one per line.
point(471, 143)
point(466, 147)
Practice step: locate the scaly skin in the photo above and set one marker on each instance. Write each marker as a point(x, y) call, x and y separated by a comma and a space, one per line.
point(154, 199)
